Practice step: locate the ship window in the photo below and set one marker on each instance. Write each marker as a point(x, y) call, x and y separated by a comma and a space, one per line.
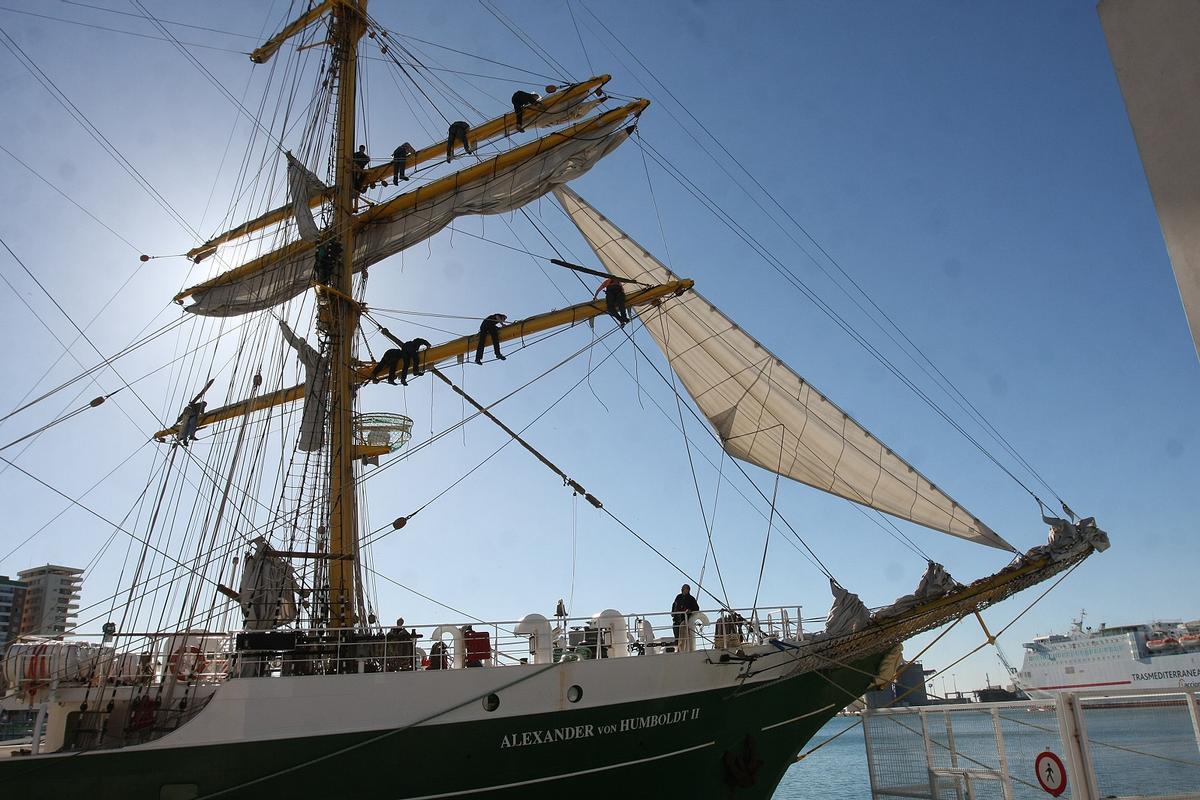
point(575, 693)
point(491, 702)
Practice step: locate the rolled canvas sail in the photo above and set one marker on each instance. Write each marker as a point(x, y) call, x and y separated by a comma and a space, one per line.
point(763, 412)
point(302, 185)
point(568, 105)
point(381, 232)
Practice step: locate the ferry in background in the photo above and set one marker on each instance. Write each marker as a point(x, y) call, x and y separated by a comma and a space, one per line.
point(1151, 655)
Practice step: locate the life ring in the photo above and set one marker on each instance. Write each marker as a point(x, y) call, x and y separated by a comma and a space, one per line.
point(198, 663)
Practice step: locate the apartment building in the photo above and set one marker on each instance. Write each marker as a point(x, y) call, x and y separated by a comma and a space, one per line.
point(12, 600)
point(51, 599)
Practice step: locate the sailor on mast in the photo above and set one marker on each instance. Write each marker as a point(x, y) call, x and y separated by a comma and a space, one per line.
point(614, 300)
point(361, 162)
point(490, 327)
point(400, 162)
point(458, 132)
point(522, 100)
point(408, 355)
point(189, 418)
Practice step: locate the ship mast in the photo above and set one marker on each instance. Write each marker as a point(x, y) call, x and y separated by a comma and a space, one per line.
point(349, 25)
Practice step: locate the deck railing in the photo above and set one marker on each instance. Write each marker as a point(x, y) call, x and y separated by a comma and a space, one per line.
point(1129, 745)
point(197, 656)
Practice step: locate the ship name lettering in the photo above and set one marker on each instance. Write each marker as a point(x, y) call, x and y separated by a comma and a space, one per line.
point(1166, 674)
point(587, 731)
point(547, 736)
point(657, 720)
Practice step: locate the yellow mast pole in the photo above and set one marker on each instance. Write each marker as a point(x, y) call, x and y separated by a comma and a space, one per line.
point(349, 26)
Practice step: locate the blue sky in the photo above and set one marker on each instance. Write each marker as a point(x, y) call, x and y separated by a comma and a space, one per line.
point(970, 166)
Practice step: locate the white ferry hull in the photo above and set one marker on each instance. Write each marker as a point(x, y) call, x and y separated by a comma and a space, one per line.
point(1085, 661)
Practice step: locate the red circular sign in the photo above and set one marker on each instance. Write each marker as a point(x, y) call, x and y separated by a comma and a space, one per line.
point(1050, 773)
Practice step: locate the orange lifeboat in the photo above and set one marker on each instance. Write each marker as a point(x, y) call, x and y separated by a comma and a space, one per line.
point(1159, 645)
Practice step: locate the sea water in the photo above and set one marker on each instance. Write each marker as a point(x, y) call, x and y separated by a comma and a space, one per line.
point(1135, 752)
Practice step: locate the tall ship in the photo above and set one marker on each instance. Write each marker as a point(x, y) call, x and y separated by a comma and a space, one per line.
point(244, 652)
point(1149, 655)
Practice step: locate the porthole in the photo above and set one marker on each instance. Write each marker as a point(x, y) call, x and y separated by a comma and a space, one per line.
point(491, 702)
point(575, 693)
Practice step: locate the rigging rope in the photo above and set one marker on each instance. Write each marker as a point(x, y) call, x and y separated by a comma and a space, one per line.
point(708, 524)
point(95, 403)
point(566, 479)
point(93, 131)
point(107, 361)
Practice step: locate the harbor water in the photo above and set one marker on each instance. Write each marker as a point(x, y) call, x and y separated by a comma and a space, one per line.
point(1136, 752)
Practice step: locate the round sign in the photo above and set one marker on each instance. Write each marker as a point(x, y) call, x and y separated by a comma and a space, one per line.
point(1050, 773)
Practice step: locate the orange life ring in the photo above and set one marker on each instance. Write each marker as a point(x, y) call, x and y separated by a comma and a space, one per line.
point(198, 663)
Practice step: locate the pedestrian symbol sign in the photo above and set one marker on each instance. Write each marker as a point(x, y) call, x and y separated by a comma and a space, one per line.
point(1050, 773)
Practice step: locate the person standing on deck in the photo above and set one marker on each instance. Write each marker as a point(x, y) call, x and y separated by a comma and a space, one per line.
point(316, 374)
point(681, 609)
point(458, 132)
point(523, 100)
point(400, 158)
point(490, 327)
point(614, 300)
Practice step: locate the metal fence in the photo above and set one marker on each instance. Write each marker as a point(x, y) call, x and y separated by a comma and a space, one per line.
point(1125, 745)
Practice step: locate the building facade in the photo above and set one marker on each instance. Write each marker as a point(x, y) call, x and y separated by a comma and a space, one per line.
point(12, 601)
point(51, 599)
point(907, 690)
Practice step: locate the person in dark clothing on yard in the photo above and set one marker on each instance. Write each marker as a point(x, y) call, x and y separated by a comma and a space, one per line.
point(458, 132)
point(189, 420)
point(490, 327)
point(614, 300)
point(400, 158)
point(361, 162)
point(523, 100)
point(684, 605)
point(407, 356)
point(411, 359)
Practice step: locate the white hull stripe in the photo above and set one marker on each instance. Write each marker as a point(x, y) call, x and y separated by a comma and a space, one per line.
point(563, 776)
point(802, 716)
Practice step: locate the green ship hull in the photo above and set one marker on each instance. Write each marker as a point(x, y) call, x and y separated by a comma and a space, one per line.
point(727, 743)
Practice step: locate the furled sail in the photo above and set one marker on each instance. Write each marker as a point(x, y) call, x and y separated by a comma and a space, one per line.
point(269, 590)
point(566, 105)
point(496, 186)
point(316, 378)
point(303, 185)
point(764, 412)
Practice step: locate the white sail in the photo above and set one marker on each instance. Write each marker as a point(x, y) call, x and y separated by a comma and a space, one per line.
point(763, 412)
point(495, 192)
point(302, 186)
point(269, 590)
